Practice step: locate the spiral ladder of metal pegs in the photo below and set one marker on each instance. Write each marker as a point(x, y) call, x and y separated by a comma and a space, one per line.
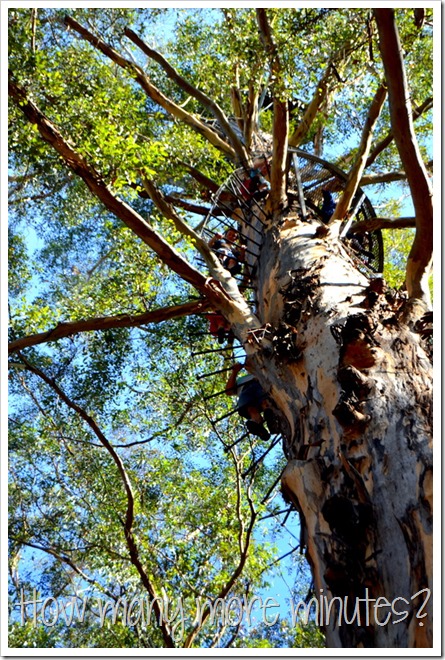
point(308, 177)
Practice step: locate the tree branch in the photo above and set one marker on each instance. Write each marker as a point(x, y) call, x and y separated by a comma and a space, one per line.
point(420, 257)
point(129, 514)
point(197, 209)
point(386, 141)
point(69, 329)
point(251, 114)
point(382, 177)
point(311, 111)
point(214, 265)
point(244, 539)
point(205, 100)
point(356, 171)
point(322, 90)
point(277, 197)
point(380, 146)
point(65, 559)
point(210, 288)
point(201, 178)
point(155, 94)
point(381, 223)
point(33, 29)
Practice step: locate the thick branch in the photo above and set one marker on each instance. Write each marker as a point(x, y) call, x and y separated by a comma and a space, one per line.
point(251, 114)
point(277, 198)
point(209, 288)
point(382, 177)
point(108, 322)
point(197, 209)
point(237, 106)
point(381, 223)
point(205, 100)
point(155, 94)
point(201, 178)
point(356, 171)
point(311, 111)
point(173, 199)
point(420, 257)
point(213, 263)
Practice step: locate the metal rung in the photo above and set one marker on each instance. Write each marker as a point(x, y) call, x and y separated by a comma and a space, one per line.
point(262, 457)
point(229, 414)
point(240, 439)
point(213, 373)
point(300, 187)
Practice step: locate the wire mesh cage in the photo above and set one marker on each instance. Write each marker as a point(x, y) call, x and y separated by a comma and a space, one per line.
point(318, 175)
point(309, 178)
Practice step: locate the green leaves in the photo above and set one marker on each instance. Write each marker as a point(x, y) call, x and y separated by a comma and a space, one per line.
point(207, 513)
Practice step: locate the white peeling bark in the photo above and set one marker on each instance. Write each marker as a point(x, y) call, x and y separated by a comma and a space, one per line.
point(353, 386)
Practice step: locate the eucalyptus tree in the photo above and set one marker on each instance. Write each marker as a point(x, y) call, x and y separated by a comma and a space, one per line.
point(117, 145)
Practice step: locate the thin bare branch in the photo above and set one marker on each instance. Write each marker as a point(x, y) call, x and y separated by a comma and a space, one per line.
point(245, 537)
point(420, 257)
point(205, 100)
point(356, 171)
point(33, 29)
point(155, 94)
point(129, 514)
point(380, 146)
point(69, 329)
point(65, 559)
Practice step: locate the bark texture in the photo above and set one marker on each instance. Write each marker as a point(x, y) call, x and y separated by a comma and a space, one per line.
point(353, 386)
point(339, 355)
point(420, 258)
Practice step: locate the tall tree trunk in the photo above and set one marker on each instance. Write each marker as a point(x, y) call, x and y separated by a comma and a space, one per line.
point(353, 386)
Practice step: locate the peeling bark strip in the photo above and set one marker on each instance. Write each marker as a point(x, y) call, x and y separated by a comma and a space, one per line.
point(420, 257)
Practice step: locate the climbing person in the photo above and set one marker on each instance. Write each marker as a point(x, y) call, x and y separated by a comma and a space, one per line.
point(328, 206)
point(255, 184)
point(252, 403)
point(230, 253)
point(219, 327)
